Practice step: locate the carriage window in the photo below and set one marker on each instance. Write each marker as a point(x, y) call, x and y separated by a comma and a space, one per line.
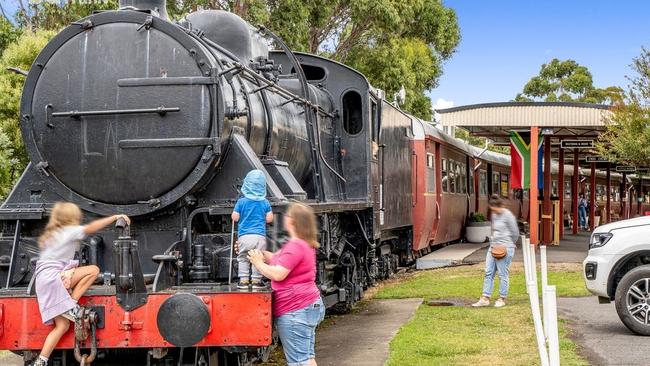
point(373, 121)
point(431, 174)
point(496, 181)
point(445, 187)
point(567, 190)
point(600, 192)
point(471, 180)
point(463, 178)
point(460, 168)
point(504, 184)
point(482, 184)
point(352, 116)
point(452, 176)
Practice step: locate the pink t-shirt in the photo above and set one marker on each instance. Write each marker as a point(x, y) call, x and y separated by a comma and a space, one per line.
point(298, 289)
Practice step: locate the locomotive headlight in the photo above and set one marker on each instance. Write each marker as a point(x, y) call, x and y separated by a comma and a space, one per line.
point(599, 239)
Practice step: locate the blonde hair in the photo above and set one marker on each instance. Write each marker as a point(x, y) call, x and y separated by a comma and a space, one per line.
point(304, 223)
point(63, 214)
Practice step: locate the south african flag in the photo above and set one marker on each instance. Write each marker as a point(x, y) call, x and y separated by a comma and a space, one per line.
point(520, 162)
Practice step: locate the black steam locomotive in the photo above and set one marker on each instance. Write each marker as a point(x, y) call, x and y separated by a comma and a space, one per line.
point(127, 112)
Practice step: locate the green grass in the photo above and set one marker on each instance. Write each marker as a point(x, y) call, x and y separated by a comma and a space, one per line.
point(462, 335)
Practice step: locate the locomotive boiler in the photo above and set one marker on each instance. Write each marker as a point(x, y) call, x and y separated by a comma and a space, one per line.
point(128, 112)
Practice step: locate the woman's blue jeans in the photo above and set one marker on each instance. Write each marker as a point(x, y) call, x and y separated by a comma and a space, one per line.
point(297, 330)
point(582, 216)
point(500, 266)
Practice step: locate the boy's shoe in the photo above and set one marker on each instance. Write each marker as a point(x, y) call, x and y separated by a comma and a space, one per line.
point(243, 284)
point(481, 303)
point(500, 303)
point(72, 314)
point(39, 362)
point(258, 285)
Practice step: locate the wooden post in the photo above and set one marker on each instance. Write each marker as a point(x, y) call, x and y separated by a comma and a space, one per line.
point(608, 199)
point(534, 191)
point(547, 212)
point(560, 183)
point(574, 190)
point(592, 197)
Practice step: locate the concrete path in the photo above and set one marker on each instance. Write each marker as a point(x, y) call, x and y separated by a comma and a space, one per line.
point(603, 337)
point(448, 256)
point(9, 359)
point(573, 249)
point(362, 338)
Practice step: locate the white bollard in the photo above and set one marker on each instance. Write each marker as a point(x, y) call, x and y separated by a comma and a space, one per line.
point(526, 256)
point(542, 262)
point(533, 264)
point(553, 337)
point(537, 321)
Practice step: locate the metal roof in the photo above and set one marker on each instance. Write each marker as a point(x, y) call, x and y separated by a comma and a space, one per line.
point(496, 120)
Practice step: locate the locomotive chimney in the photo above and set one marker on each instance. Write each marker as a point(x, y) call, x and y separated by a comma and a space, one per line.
point(158, 7)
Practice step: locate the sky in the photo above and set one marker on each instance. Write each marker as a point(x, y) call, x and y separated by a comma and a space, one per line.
point(505, 42)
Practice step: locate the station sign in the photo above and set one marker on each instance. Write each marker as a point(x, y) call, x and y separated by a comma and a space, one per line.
point(577, 144)
point(596, 159)
point(625, 169)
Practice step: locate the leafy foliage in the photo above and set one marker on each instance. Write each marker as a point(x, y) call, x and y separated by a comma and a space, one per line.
point(479, 141)
point(627, 135)
point(476, 217)
point(565, 81)
point(21, 54)
point(8, 33)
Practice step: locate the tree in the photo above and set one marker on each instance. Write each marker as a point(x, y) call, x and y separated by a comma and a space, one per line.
point(565, 81)
point(21, 54)
point(8, 33)
point(627, 130)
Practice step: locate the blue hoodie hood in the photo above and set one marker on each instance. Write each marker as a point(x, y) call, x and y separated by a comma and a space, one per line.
point(254, 187)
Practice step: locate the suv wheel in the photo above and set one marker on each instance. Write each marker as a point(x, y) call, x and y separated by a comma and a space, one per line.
point(633, 300)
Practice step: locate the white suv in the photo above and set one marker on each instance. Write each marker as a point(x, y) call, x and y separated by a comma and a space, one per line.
point(618, 268)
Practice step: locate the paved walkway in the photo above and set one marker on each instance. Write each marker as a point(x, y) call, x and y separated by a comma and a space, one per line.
point(362, 338)
point(573, 249)
point(603, 337)
point(448, 256)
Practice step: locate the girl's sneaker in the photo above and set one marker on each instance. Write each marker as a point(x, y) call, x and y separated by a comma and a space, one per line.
point(72, 314)
point(243, 284)
point(39, 362)
point(500, 303)
point(258, 285)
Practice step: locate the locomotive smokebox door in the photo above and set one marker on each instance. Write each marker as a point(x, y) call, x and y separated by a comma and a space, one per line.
point(114, 106)
point(183, 320)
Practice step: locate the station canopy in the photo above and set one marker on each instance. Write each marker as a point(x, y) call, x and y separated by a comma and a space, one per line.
point(579, 121)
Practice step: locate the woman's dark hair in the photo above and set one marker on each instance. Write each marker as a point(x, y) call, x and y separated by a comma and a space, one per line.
point(495, 201)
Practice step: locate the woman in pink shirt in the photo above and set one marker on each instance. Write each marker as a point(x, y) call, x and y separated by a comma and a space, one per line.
point(297, 305)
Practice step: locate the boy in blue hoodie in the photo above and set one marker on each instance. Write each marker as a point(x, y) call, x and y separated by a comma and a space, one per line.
point(252, 212)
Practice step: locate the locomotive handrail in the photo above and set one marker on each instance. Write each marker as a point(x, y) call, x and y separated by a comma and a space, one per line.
point(160, 110)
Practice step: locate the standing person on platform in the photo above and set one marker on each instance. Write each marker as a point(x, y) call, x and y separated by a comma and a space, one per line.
point(582, 212)
point(505, 233)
